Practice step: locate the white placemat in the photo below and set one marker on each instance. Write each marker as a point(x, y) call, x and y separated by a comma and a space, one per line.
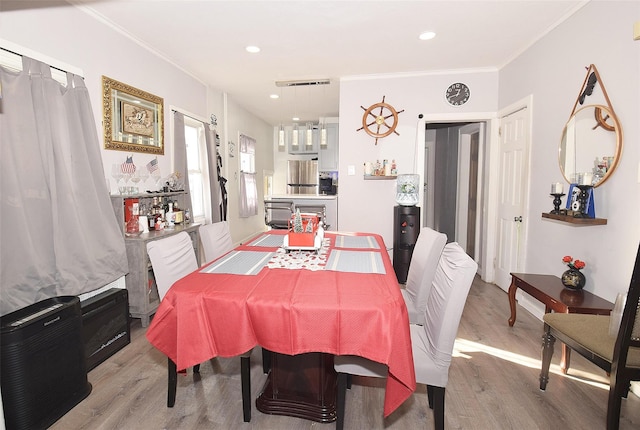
point(240, 263)
point(364, 242)
point(355, 261)
point(268, 240)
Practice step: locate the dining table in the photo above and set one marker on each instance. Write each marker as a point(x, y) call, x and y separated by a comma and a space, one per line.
point(342, 298)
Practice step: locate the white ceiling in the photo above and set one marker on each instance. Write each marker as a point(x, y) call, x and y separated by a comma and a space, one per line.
point(303, 40)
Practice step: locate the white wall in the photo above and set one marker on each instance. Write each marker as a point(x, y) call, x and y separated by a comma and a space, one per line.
point(553, 70)
point(368, 205)
point(239, 121)
point(84, 42)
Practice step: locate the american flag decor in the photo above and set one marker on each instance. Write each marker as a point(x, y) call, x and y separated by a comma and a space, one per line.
point(152, 165)
point(128, 166)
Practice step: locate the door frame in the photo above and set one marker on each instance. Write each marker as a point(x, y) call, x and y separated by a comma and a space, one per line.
point(464, 157)
point(490, 177)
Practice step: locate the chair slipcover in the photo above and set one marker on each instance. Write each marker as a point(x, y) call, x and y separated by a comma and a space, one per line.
point(422, 269)
point(172, 258)
point(433, 342)
point(216, 240)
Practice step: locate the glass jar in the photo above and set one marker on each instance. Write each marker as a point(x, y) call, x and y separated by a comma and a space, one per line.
point(407, 190)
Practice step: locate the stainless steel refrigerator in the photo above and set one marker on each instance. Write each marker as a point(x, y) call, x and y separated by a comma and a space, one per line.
point(302, 177)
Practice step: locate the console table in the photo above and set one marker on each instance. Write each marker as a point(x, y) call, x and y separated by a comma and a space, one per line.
point(548, 289)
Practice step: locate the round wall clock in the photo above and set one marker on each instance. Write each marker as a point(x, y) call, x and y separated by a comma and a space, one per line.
point(457, 94)
point(374, 120)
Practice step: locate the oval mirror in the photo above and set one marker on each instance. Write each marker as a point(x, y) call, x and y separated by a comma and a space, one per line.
point(591, 146)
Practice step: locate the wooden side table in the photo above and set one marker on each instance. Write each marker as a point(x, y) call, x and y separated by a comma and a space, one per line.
point(548, 289)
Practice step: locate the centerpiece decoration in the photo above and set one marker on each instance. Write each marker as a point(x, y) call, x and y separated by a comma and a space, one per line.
point(573, 278)
point(304, 232)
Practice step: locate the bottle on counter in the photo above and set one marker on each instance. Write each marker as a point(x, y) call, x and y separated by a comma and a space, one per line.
point(177, 213)
point(171, 219)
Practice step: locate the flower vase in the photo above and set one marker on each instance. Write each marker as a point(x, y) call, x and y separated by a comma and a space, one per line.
point(573, 279)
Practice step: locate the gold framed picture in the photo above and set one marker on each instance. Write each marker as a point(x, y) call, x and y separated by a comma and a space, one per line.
point(132, 118)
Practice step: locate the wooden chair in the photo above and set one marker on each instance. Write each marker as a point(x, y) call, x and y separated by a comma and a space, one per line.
point(432, 343)
point(173, 258)
point(422, 270)
point(589, 336)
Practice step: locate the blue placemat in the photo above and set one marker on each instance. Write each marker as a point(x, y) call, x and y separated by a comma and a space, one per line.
point(365, 242)
point(355, 261)
point(240, 263)
point(268, 240)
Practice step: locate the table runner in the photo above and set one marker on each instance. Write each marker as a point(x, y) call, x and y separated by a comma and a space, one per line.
point(205, 315)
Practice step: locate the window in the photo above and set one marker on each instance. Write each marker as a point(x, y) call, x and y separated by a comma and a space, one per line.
point(197, 166)
point(248, 186)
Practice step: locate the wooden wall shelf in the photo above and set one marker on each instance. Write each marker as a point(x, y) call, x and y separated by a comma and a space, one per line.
point(379, 177)
point(575, 221)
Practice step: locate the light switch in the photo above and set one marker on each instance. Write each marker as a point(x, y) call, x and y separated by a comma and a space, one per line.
point(351, 170)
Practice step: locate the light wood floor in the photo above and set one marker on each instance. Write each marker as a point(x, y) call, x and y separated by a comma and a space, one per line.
point(493, 384)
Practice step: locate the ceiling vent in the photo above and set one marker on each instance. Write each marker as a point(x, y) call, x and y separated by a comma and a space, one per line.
point(302, 83)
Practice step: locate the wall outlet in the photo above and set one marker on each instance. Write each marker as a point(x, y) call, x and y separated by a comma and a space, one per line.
point(351, 170)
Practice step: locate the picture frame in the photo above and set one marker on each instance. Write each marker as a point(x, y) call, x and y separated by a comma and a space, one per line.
point(573, 201)
point(133, 119)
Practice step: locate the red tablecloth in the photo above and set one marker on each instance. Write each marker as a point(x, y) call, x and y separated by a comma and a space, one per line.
point(205, 315)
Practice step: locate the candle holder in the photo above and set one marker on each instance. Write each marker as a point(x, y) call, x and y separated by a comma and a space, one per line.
point(583, 198)
point(556, 202)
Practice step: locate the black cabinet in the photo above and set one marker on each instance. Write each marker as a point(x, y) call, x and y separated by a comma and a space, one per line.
point(406, 228)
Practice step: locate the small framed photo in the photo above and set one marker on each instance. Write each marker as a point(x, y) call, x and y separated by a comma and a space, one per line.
point(574, 204)
point(572, 196)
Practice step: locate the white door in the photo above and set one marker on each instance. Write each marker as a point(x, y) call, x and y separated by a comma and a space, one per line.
point(513, 186)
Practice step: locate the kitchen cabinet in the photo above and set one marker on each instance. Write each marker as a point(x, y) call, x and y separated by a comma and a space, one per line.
point(328, 154)
point(140, 282)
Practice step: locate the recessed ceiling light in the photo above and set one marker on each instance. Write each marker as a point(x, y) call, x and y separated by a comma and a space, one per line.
point(252, 49)
point(274, 96)
point(427, 35)
point(295, 118)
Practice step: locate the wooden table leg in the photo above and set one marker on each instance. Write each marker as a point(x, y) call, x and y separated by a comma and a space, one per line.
point(512, 302)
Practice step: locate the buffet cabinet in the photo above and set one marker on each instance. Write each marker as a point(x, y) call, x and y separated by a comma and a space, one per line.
point(140, 281)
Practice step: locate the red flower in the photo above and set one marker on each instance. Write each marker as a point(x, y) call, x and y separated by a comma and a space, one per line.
point(578, 264)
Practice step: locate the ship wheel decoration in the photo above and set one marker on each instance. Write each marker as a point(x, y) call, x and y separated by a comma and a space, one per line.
point(374, 120)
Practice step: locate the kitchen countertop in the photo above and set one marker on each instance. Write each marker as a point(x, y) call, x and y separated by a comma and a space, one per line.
point(301, 196)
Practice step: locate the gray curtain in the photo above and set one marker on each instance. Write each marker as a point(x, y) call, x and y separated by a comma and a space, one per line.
point(180, 153)
point(214, 181)
point(58, 231)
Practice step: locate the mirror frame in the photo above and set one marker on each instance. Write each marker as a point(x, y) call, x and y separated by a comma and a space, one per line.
point(145, 135)
point(591, 79)
point(600, 121)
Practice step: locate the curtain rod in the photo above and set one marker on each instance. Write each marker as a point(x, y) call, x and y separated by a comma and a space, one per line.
point(192, 116)
point(11, 51)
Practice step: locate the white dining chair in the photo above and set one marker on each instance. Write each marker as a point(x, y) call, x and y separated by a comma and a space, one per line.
point(422, 269)
point(216, 240)
point(173, 258)
point(432, 343)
